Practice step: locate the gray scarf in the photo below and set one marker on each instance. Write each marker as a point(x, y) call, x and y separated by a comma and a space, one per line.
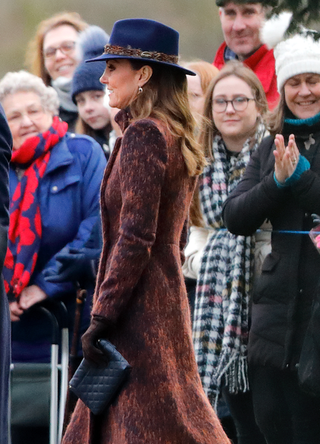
point(63, 87)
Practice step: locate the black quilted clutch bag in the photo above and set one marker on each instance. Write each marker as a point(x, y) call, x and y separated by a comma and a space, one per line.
point(97, 386)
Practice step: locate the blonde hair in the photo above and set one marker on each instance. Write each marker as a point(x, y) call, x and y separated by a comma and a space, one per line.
point(34, 55)
point(205, 70)
point(165, 98)
point(237, 69)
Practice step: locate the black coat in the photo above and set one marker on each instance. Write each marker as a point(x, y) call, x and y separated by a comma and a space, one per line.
point(283, 294)
point(5, 155)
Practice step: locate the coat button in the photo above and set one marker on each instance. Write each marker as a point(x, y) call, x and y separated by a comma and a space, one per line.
point(54, 189)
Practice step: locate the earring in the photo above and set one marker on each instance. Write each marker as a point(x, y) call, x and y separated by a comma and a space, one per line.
point(140, 90)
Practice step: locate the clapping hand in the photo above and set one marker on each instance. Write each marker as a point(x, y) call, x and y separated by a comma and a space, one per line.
point(286, 158)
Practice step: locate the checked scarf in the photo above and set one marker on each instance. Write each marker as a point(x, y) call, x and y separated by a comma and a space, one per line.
point(220, 328)
point(25, 228)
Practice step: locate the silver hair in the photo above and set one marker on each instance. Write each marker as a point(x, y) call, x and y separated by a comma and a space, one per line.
point(14, 82)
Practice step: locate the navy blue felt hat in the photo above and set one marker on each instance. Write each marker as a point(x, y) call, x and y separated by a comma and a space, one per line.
point(143, 39)
point(87, 77)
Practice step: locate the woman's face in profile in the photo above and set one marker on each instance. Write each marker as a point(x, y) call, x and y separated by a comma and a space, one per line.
point(302, 95)
point(122, 82)
point(239, 118)
point(26, 116)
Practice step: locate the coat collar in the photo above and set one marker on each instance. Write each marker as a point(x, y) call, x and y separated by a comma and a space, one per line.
point(60, 155)
point(123, 118)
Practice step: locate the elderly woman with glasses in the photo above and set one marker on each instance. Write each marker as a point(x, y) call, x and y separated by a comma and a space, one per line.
point(54, 202)
point(55, 179)
point(233, 128)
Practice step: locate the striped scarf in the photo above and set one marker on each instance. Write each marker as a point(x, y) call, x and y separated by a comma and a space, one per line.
point(220, 329)
point(25, 228)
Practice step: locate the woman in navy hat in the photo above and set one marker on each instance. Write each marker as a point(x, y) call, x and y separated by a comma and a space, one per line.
point(140, 302)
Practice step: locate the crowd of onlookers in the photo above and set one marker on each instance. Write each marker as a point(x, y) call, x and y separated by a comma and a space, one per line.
point(257, 113)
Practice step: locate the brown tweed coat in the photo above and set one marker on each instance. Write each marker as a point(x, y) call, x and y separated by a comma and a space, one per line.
point(145, 197)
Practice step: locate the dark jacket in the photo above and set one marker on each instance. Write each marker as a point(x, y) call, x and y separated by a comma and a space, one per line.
point(283, 294)
point(5, 346)
point(69, 206)
point(145, 197)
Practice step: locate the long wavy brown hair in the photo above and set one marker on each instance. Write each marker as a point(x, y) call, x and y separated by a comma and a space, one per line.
point(165, 98)
point(34, 55)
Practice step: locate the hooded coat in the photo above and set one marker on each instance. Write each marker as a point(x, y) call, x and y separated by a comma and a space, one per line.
point(145, 197)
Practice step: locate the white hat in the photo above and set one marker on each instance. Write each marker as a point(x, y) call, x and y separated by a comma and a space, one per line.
point(297, 54)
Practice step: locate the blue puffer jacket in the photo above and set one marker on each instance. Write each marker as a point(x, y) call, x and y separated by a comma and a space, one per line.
point(69, 205)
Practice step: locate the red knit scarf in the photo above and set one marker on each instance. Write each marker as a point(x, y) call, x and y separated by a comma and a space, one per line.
point(25, 229)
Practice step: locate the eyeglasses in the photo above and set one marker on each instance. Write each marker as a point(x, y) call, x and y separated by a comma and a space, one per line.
point(34, 114)
point(65, 47)
point(239, 104)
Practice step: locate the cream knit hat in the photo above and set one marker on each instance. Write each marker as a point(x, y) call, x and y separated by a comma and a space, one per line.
point(297, 54)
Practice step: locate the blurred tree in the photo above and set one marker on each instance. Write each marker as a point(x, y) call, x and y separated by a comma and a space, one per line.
point(197, 21)
point(304, 12)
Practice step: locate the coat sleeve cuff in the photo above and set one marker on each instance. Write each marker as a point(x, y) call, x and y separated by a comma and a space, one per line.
point(302, 166)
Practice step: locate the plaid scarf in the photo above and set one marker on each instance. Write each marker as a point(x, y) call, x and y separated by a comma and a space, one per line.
point(25, 228)
point(220, 329)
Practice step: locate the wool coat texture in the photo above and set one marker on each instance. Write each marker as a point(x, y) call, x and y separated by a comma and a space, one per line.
point(145, 197)
point(5, 155)
point(284, 292)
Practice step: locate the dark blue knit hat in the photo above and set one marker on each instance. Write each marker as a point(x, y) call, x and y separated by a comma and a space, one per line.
point(86, 77)
point(143, 39)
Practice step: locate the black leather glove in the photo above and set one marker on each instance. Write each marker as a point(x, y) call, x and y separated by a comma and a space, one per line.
point(98, 329)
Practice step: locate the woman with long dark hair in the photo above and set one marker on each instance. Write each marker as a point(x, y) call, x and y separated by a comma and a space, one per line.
point(140, 302)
